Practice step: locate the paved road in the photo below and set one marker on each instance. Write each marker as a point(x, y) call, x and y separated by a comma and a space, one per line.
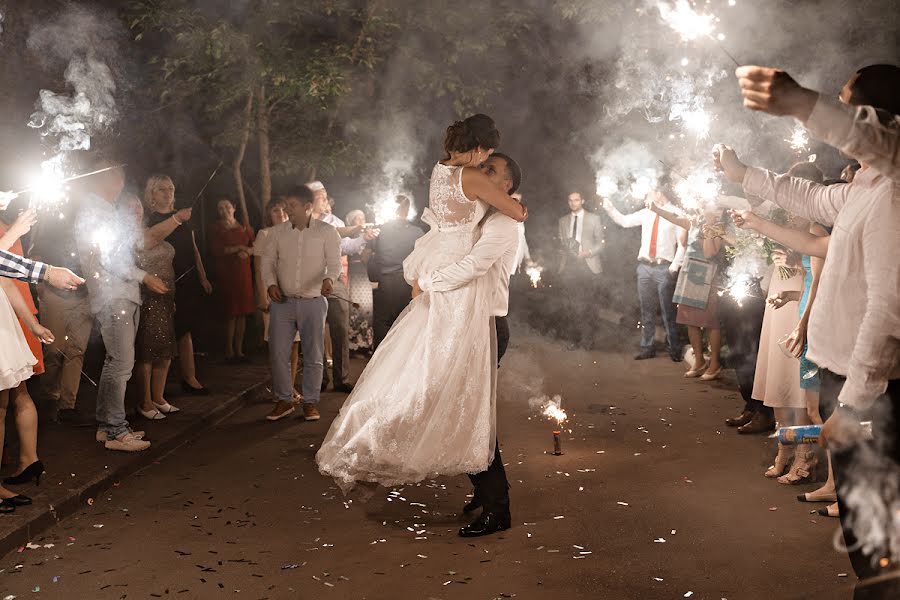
point(242, 512)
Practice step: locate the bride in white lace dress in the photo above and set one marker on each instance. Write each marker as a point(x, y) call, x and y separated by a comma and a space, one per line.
point(424, 405)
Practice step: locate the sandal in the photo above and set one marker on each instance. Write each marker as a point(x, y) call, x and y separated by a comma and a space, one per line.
point(803, 469)
point(782, 461)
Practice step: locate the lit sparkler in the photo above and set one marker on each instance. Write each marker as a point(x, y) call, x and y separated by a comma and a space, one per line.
point(697, 190)
point(641, 186)
point(691, 25)
point(606, 186)
point(49, 187)
point(799, 140)
point(534, 273)
point(739, 288)
point(694, 119)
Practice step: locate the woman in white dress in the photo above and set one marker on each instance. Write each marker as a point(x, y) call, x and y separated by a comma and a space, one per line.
point(424, 405)
point(16, 362)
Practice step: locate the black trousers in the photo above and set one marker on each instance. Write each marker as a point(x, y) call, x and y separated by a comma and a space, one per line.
point(388, 301)
point(866, 476)
point(742, 325)
point(492, 486)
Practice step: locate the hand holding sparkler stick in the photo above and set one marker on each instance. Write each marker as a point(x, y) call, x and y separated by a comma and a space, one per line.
point(62, 278)
point(7, 197)
point(726, 160)
point(775, 92)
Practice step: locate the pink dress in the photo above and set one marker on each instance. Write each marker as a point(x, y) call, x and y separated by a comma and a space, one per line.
point(777, 379)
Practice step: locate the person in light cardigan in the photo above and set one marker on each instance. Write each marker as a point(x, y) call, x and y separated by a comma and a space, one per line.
point(854, 327)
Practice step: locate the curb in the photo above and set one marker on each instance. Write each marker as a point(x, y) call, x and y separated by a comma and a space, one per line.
point(52, 515)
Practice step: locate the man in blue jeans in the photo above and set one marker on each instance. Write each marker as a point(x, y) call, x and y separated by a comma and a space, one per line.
point(299, 267)
point(106, 243)
point(659, 259)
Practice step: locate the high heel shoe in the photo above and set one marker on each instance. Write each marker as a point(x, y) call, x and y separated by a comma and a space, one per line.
point(166, 408)
point(192, 391)
point(803, 468)
point(32, 471)
point(19, 500)
point(153, 414)
point(782, 461)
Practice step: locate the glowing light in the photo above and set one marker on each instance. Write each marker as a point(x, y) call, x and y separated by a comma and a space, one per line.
point(606, 186)
point(641, 186)
point(684, 62)
point(739, 288)
point(685, 21)
point(799, 140)
point(102, 238)
point(534, 273)
point(553, 411)
point(693, 118)
point(47, 188)
point(699, 189)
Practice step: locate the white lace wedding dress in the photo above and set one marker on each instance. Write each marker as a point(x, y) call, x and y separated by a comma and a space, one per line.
point(425, 404)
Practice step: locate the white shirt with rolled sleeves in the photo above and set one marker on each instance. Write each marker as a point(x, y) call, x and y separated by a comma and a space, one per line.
point(493, 256)
point(870, 136)
point(298, 260)
point(668, 248)
point(854, 327)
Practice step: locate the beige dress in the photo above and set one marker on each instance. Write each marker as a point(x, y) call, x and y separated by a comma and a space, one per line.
point(777, 379)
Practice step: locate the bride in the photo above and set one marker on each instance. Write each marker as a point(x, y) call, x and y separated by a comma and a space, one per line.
point(424, 405)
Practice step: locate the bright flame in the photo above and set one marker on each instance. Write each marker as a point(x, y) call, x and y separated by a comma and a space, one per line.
point(47, 189)
point(687, 22)
point(739, 288)
point(385, 208)
point(553, 411)
point(102, 238)
point(799, 140)
point(695, 120)
point(534, 273)
point(641, 186)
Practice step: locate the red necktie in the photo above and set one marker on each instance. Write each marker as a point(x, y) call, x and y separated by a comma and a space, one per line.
point(653, 235)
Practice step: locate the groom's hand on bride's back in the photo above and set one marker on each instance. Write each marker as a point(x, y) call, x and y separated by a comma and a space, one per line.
point(274, 293)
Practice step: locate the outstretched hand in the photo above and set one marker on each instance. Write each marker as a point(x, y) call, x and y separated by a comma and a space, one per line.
point(726, 160)
point(62, 278)
point(745, 219)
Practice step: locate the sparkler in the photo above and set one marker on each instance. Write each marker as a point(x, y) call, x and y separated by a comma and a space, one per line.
point(52, 182)
point(550, 408)
point(606, 186)
point(691, 25)
point(697, 190)
point(203, 189)
point(694, 119)
point(534, 273)
point(799, 140)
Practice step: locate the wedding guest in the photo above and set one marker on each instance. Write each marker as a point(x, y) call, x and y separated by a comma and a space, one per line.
point(852, 330)
point(106, 246)
point(66, 312)
point(581, 237)
point(385, 268)
point(16, 366)
point(523, 255)
point(697, 287)
point(360, 289)
point(231, 244)
point(659, 259)
point(14, 225)
point(275, 214)
point(191, 283)
point(155, 338)
point(338, 303)
point(298, 290)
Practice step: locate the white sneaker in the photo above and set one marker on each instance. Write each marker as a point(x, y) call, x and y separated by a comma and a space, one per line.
point(127, 443)
point(103, 437)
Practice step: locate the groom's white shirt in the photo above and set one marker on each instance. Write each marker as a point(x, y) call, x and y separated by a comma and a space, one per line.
point(494, 256)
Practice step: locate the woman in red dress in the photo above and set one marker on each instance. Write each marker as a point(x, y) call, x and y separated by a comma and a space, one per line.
point(231, 244)
point(30, 467)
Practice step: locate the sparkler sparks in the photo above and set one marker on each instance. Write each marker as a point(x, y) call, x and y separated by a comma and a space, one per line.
point(697, 190)
point(534, 273)
point(606, 186)
point(799, 140)
point(553, 410)
point(694, 119)
point(687, 22)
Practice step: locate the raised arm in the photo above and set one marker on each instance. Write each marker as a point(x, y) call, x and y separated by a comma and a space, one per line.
point(153, 236)
point(795, 239)
point(634, 219)
point(657, 200)
point(476, 184)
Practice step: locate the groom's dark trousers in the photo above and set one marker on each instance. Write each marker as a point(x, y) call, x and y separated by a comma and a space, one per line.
point(491, 486)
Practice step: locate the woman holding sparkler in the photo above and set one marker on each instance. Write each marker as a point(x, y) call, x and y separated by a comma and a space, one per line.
point(190, 276)
point(408, 419)
point(359, 289)
point(30, 466)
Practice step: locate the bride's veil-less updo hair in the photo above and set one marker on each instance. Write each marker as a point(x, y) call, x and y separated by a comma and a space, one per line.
point(477, 131)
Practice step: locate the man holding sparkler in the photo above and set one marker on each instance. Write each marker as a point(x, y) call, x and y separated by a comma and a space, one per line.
point(659, 259)
point(853, 332)
point(494, 257)
point(106, 246)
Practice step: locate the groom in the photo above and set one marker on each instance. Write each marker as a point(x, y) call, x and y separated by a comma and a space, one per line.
point(494, 257)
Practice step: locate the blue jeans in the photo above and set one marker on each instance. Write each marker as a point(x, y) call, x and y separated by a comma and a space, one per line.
point(306, 315)
point(118, 327)
point(655, 288)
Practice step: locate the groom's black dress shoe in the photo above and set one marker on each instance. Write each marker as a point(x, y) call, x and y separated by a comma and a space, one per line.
point(486, 524)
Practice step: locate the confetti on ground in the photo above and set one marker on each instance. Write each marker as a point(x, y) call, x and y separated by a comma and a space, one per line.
point(689, 594)
point(622, 503)
point(660, 540)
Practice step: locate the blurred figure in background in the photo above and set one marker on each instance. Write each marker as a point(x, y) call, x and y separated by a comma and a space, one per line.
point(523, 255)
point(385, 267)
point(231, 244)
point(360, 288)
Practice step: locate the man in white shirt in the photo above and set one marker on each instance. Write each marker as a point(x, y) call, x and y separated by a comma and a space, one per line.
point(659, 259)
point(300, 264)
point(493, 257)
point(338, 307)
point(523, 255)
point(854, 334)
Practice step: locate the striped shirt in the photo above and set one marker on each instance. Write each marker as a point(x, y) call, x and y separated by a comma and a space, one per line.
point(14, 266)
